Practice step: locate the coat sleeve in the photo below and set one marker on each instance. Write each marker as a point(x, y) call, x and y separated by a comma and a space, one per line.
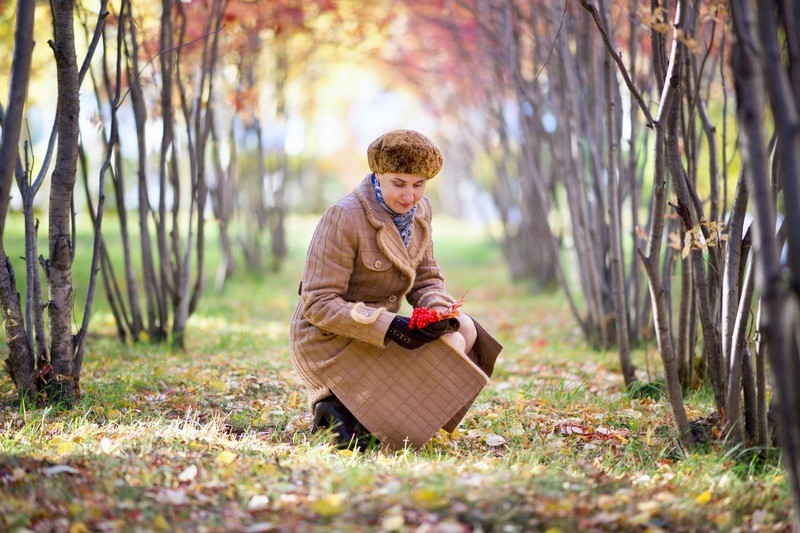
point(428, 289)
point(329, 266)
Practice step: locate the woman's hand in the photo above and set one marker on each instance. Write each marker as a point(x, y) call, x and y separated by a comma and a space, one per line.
point(412, 339)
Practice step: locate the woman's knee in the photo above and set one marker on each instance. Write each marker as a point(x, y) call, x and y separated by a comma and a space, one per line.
point(468, 331)
point(457, 340)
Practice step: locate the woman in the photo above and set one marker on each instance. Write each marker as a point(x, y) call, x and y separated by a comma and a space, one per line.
point(368, 371)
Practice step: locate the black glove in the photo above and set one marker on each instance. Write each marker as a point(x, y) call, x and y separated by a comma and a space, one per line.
point(412, 339)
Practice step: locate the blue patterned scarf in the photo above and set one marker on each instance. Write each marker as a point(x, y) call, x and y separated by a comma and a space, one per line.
point(404, 223)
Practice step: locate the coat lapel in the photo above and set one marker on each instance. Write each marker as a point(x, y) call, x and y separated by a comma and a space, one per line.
point(421, 237)
point(389, 240)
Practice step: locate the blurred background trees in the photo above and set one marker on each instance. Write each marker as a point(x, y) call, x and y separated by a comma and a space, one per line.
point(638, 156)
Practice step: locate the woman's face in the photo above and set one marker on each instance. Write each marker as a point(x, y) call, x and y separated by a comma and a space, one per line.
point(401, 192)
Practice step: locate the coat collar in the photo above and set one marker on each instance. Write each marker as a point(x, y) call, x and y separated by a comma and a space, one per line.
point(389, 240)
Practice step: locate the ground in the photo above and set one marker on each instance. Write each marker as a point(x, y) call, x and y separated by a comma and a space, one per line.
point(217, 438)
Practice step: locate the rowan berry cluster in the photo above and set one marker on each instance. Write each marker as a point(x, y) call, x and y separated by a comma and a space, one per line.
point(422, 316)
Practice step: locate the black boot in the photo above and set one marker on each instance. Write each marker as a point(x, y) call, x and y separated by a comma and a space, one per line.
point(331, 413)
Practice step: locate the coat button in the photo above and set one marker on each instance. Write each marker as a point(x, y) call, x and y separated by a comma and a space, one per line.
point(393, 298)
point(378, 263)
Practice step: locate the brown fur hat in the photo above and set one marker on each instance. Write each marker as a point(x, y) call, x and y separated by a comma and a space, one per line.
point(404, 152)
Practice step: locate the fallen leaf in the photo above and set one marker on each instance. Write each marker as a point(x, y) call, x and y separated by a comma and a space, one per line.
point(78, 527)
point(63, 447)
point(258, 502)
point(703, 498)
point(494, 440)
point(570, 428)
point(160, 523)
point(173, 496)
point(106, 445)
point(188, 474)
point(429, 499)
point(226, 457)
point(261, 527)
point(723, 519)
point(393, 520)
point(293, 401)
point(329, 506)
point(60, 469)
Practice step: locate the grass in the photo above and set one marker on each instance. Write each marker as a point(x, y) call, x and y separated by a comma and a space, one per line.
point(217, 438)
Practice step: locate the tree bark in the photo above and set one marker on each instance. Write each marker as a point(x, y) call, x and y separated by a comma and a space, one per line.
point(167, 154)
point(59, 264)
point(749, 86)
point(615, 220)
point(658, 300)
point(733, 259)
point(733, 402)
point(20, 362)
point(153, 293)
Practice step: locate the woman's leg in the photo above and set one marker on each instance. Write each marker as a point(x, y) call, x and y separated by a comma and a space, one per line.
point(464, 338)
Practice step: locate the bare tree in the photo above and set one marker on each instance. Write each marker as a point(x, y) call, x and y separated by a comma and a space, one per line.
point(20, 363)
point(759, 71)
point(51, 372)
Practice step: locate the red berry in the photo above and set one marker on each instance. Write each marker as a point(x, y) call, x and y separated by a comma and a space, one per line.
point(422, 317)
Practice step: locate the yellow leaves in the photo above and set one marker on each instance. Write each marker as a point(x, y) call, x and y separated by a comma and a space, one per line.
point(329, 506)
point(689, 239)
point(648, 438)
point(78, 527)
point(393, 519)
point(693, 45)
point(703, 498)
point(293, 401)
point(695, 238)
point(75, 509)
point(723, 519)
point(160, 523)
point(225, 457)
point(216, 385)
point(428, 499)
point(658, 20)
point(63, 447)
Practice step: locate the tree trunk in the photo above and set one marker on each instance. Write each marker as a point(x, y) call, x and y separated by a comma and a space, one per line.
point(156, 321)
point(686, 326)
point(20, 362)
point(657, 297)
point(615, 220)
point(749, 86)
point(59, 265)
point(167, 155)
point(733, 402)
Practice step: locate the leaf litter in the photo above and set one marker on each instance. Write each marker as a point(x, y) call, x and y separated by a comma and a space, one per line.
point(219, 439)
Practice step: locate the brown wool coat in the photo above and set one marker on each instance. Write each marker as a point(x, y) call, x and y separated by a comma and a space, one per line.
point(357, 273)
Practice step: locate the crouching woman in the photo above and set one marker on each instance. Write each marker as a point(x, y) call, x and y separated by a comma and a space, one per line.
point(370, 372)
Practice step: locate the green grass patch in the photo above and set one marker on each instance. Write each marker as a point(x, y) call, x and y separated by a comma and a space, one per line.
point(218, 437)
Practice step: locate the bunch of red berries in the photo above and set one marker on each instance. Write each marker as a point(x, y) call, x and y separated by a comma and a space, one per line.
point(422, 316)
